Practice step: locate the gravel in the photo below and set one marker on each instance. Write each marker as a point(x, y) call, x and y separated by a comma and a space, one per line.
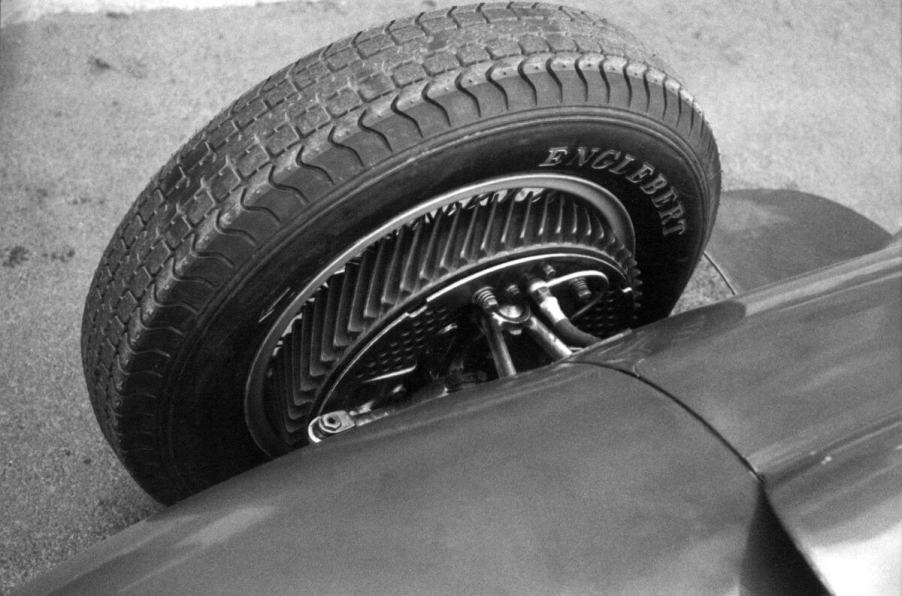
point(801, 95)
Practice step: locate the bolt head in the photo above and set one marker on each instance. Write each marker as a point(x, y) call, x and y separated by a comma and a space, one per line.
point(511, 311)
point(330, 422)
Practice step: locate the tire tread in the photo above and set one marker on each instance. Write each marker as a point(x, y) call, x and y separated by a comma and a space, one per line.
point(261, 164)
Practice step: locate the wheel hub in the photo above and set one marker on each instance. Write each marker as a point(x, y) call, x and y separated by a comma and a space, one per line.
point(398, 321)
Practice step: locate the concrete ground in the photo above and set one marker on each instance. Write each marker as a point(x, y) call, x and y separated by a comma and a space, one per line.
point(802, 94)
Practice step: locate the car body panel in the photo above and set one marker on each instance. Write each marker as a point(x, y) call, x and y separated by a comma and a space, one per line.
point(569, 479)
point(765, 236)
point(804, 381)
point(672, 459)
point(845, 511)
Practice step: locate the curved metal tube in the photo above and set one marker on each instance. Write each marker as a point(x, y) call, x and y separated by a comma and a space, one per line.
point(551, 308)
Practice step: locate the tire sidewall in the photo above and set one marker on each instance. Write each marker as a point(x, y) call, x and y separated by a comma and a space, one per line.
point(621, 152)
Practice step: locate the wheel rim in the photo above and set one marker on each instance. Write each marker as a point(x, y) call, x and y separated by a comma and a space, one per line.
point(585, 196)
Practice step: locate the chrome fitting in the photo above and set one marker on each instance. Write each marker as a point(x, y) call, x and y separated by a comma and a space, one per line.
point(330, 424)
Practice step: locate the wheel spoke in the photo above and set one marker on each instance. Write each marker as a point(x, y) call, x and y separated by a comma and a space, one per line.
point(382, 312)
point(504, 364)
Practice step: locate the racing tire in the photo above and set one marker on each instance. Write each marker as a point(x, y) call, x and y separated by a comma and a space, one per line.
point(276, 193)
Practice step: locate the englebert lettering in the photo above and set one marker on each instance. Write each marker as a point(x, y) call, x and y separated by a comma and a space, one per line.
point(663, 195)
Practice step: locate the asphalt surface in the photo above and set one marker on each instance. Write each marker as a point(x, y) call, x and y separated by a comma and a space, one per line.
point(803, 95)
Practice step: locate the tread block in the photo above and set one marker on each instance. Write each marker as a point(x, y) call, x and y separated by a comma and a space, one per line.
point(547, 89)
point(657, 98)
point(282, 138)
point(399, 133)
point(441, 62)
point(519, 94)
point(639, 96)
point(613, 70)
point(459, 108)
point(475, 82)
point(589, 67)
point(281, 202)
point(430, 119)
point(574, 90)
point(308, 118)
point(532, 44)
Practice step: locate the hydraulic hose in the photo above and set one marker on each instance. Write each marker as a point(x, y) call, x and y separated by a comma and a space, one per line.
point(573, 335)
point(551, 308)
